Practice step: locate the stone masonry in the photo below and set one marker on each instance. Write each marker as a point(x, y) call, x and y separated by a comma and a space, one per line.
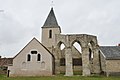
point(83, 40)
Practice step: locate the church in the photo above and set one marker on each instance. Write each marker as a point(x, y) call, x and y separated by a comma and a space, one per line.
point(46, 58)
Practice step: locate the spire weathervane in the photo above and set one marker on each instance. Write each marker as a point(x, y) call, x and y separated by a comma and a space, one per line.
point(52, 3)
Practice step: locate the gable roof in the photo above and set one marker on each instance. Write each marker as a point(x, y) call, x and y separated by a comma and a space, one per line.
point(51, 21)
point(111, 52)
point(39, 43)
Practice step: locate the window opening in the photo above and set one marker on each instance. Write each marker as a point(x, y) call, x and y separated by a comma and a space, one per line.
point(38, 57)
point(50, 33)
point(28, 57)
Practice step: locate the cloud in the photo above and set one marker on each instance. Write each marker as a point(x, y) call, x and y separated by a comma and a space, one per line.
point(12, 34)
point(23, 20)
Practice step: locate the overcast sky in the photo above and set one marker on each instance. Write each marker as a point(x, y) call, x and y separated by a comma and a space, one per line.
point(22, 20)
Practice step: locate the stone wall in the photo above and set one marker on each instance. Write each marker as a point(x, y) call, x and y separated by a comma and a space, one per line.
point(32, 67)
point(109, 67)
point(103, 62)
point(83, 40)
point(113, 65)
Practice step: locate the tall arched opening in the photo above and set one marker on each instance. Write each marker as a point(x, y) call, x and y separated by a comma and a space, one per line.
point(91, 56)
point(77, 58)
point(61, 51)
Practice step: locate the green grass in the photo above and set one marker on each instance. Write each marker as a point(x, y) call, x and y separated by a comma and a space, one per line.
point(60, 77)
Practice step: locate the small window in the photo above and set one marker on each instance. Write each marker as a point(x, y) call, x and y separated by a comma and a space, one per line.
point(28, 57)
point(38, 57)
point(50, 33)
point(33, 52)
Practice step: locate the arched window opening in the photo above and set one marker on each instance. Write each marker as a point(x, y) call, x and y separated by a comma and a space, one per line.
point(62, 46)
point(28, 57)
point(89, 45)
point(90, 54)
point(38, 57)
point(62, 52)
point(77, 57)
point(50, 33)
point(77, 46)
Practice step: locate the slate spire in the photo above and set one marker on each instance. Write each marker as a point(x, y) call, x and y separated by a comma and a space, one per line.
point(51, 20)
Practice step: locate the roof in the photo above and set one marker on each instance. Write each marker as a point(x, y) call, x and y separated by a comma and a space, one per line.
point(6, 61)
point(111, 52)
point(51, 20)
point(39, 43)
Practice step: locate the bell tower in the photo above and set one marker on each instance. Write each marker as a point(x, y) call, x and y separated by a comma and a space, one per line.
point(49, 29)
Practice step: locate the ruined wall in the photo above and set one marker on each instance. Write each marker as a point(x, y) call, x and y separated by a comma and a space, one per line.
point(103, 62)
point(77, 60)
point(83, 40)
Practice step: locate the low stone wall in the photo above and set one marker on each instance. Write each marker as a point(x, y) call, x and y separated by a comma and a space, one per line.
point(75, 69)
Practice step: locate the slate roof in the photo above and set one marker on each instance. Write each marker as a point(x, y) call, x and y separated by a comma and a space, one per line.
point(51, 20)
point(111, 52)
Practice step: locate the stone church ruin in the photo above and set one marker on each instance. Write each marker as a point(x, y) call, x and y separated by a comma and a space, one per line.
point(46, 58)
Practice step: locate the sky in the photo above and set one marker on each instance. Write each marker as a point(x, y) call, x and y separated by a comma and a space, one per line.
point(21, 20)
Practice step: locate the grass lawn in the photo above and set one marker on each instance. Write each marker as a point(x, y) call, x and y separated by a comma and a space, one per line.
point(60, 77)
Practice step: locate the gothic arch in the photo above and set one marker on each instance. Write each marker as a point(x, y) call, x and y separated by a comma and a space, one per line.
point(76, 57)
point(79, 44)
point(83, 40)
point(79, 41)
point(92, 43)
point(91, 46)
point(94, 56)
point(59, 44)
point(61, 53)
